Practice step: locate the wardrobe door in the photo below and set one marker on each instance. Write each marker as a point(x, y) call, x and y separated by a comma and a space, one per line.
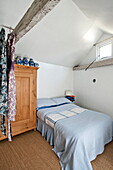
point(2, 136)
point(26, 100)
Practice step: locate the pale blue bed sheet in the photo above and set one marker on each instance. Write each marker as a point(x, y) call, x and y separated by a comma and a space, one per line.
point(46, 131)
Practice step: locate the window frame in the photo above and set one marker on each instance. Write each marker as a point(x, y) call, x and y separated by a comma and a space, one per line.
point(102, 44)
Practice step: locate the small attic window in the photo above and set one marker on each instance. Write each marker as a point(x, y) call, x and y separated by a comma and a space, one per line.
point(104, 51)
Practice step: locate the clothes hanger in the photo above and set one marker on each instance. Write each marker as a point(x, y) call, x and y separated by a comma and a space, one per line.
point(10, 28)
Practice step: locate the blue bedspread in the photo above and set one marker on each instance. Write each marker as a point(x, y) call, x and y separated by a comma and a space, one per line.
point(42, 113)
point(80, 138)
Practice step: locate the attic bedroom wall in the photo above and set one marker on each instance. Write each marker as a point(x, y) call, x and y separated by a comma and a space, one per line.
point(96, 96)
point(53, 80)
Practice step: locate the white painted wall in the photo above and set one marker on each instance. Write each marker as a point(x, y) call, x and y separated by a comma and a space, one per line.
point(96, 96)
point(53, 80)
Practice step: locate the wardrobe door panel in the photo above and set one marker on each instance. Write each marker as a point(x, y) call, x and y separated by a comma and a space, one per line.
point(22, 97)
point(26, 100)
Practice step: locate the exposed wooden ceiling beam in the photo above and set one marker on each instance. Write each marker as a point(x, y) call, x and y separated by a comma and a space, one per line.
point(34, 14)
point(101, 63)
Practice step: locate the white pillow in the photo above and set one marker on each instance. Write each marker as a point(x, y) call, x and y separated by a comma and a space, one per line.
point(60, 100)
point(45, 102)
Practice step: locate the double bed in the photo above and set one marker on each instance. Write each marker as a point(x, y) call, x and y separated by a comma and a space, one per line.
point(78, 135)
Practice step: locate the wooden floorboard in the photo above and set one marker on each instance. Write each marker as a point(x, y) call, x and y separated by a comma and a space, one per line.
point(29, 151)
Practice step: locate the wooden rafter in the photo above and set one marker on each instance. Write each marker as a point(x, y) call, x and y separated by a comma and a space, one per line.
point(101, 63)
point(37, 10)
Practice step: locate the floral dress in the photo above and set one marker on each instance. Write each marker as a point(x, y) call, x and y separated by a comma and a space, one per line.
point(3, 82)
point(7, 82)
point(11, 82)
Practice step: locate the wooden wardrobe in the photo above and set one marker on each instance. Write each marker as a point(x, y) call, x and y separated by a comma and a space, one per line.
point(26, 94)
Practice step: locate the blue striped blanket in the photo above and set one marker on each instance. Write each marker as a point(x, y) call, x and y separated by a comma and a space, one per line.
point(52, 118)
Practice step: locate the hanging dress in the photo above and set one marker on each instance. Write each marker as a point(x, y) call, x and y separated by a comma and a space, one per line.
point(3, 82)
point(11, 82)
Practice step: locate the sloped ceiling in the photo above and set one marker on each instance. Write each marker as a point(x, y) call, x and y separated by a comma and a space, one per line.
point(62, 37)
point(99, 11)
point(11, 11)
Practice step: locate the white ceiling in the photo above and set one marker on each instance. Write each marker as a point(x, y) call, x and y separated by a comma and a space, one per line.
point(63, 37)
point(11, 11)
point(99, 11)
